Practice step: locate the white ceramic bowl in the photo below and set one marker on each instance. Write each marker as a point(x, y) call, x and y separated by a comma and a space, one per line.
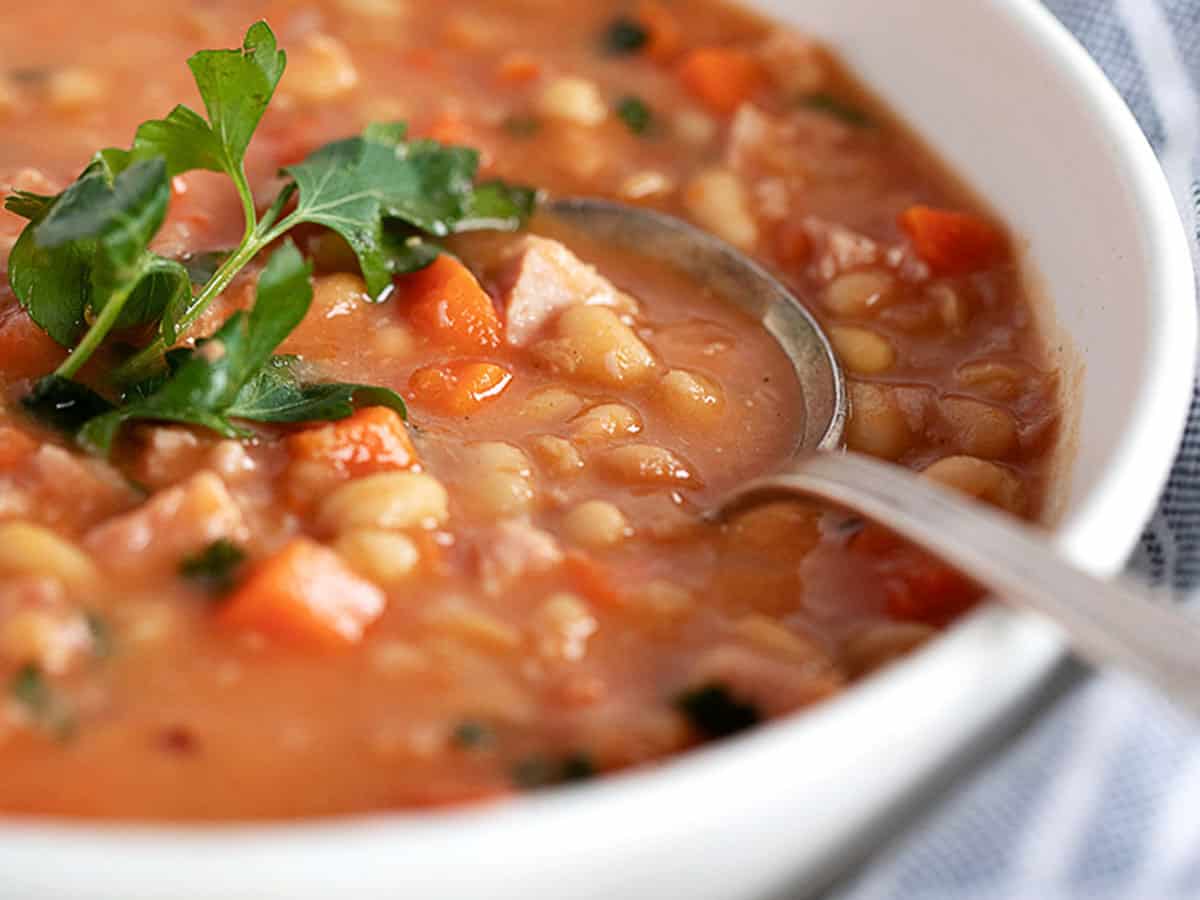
point(1020, 110)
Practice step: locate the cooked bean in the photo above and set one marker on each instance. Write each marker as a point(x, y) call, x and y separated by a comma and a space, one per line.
point(50, 639)
point(876, 425)
point(596, 523)
point(375, 9)
point(576, 100)
point(859, 293)
point(718, 201)
point(980, 429)
point(28, 549)
point(552, 404)
point(556, 455)
point(951, 305)
point(75, 88)
point(384, 557)
point(396, 342)
point(594, 344)
point(690, 398)
point(388, 500)
point(694, 126)
point(768, 634)
point(320, 69)
point(874, 646)
point(338, 294)
point(562, 627)
point(996, 380)
point(606, 422)
point(862, 351)
point(637, 186)
point(645, 464)
point(980, 479)
point(474, 626)
point(499, 480)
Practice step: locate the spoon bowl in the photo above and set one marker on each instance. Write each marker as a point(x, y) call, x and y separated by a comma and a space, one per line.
point(735, 277)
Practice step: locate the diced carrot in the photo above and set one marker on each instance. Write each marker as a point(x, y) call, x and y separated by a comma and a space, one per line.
point(25, 350)
point(15, 446)
point(722, 78)
point(447, 304)
point(518, 68)
point(458, 388)
point(929, 591)
point(449, 128)
point(663, 34)
point(591, 579)
point(374, 439)
point(305, 595)
point(953, 243)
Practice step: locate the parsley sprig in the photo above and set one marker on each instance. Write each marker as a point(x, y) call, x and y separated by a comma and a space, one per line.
point(83, 268)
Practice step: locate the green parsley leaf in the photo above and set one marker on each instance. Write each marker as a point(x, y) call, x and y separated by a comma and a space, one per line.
point(352, 186)
point(84, 254)
point(203, 388)
point(64, 404)
point(635, 114)
point(201, 267)
point(236, 86)
point(715, 712)
point(276, 394)
point(624, 36)
point(215, 567)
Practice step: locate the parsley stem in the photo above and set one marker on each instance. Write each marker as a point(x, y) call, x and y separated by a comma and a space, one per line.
point(247, 196)
point(103, 323)
point(147, 358)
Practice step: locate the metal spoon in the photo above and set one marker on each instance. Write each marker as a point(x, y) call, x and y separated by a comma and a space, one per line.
point(1109, 623)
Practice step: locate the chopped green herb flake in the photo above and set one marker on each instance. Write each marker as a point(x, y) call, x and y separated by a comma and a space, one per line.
point(635, 114)
point(539, 771)
point(714, 712)
point(101, 634)
point(831, 105)
point(624, 36)
point(45, 708)
point(473, 735)
point(215, 567)
point(64, 404)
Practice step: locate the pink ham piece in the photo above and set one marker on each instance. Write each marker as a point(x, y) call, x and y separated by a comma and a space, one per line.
point(542, 278)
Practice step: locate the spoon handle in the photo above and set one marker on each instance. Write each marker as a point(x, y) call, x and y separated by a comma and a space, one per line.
point(1109, 623)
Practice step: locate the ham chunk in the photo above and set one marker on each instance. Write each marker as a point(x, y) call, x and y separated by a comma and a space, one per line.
point(541, 279)
point(173, 524)
point(516, 550)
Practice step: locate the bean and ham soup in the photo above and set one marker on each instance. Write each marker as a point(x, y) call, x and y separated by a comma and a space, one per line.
point(334, 478)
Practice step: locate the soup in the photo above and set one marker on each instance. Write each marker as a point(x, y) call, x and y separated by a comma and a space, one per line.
point(445, 545)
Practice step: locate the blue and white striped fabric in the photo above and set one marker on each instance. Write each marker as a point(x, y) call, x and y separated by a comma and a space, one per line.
point(1101, 799)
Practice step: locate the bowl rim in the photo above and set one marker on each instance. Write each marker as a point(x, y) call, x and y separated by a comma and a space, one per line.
point(1141, 464)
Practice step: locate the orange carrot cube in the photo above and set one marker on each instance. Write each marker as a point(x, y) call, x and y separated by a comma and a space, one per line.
point(458, 388)
point(306, 596)
point(446, 303)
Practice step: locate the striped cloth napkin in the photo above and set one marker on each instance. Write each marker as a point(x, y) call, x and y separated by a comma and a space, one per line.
point(1101, 797)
